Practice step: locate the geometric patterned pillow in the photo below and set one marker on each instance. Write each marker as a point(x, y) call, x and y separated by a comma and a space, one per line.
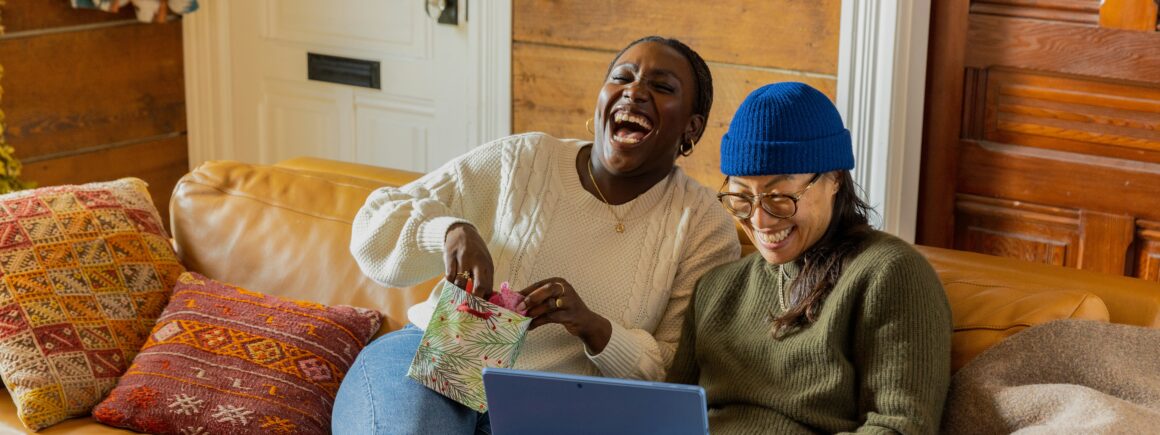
point(223, 359)
point(86, 271)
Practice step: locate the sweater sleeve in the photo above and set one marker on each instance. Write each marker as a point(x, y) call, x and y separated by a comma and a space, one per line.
point(397, 236)
point(641, 354)
point(903, 347)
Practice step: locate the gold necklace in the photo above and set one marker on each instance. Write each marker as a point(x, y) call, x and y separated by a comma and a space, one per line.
point(619, 221)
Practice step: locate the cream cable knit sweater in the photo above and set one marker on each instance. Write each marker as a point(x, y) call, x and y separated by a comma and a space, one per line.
point(524, 196)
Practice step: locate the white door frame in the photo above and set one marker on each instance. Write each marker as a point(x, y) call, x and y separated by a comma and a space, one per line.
point(489, 47)
point(209, 111)
point(208, 108)
point(881, 85)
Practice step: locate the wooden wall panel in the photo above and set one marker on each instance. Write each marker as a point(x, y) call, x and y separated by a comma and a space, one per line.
point(561, 49)
point(554, 90)
point(1050, 177)
point(69, 91)
point(1105, 242)
point(540, 99)
point(1005, 228)
point(1072, 11)
point(1065, 48)
point(941, 124)
point(21, 15)
point(1139, 15)
point(160, 163)
point(974, 103)
point(1050, 144)
point(94, 102)
point(788, 34)
point(1073, 114)
point(1147, 250)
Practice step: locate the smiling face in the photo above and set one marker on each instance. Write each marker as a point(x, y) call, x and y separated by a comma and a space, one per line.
point(779, 240)
point(645, 111)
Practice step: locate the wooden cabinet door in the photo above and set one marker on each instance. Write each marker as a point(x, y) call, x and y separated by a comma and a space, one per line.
point(1042, 132)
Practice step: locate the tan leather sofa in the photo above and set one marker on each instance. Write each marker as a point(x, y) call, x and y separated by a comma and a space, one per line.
point(285, 229)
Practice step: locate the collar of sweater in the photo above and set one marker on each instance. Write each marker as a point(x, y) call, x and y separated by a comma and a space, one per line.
point(790, 269)
point(639, 208)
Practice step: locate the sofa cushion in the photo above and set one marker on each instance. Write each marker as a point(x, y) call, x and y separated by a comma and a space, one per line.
point(986, 312)
point(86, 271)
point(283, 230)
point(223, 359)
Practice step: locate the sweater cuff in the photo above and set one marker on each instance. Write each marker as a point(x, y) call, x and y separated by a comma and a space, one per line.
point(620, 355)
point(433, 232)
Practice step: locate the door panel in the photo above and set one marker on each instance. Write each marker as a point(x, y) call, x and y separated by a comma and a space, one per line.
point(1148, 250)
point(1106, 242)
point(281, 114)
point(295, 120)
point(1062, 47)
point(1042, 134)
point(386, 27)
point(1072, 114)
point(393, 130)
point(1015, 229)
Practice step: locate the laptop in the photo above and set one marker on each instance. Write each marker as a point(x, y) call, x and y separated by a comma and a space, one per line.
point(529, 402)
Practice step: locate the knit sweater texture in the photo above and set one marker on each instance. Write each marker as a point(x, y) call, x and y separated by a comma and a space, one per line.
point(523, 194)
point(877, 360)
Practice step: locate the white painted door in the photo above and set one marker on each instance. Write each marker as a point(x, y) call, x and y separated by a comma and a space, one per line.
point(427, 111)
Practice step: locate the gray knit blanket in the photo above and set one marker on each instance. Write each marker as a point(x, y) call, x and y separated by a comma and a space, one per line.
point(1066, 376)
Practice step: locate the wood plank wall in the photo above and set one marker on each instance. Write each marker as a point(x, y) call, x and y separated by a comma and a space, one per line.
point(1042, 133)
point(93, 96)
point(561, 49)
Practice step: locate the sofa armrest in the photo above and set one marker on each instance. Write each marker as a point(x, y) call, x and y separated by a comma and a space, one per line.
point(1129, 301)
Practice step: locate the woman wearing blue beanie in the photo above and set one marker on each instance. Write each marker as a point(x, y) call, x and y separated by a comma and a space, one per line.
point(831, 326)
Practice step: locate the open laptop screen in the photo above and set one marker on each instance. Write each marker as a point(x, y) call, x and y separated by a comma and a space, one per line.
point(530, 402)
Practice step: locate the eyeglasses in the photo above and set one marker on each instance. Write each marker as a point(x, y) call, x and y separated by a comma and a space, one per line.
point(741, 205)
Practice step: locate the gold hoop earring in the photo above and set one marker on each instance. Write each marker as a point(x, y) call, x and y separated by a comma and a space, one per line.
point(686, 148)
point(588, 125)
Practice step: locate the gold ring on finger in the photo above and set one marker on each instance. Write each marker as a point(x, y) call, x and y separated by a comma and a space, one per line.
point(464, 274)
point(559, 306)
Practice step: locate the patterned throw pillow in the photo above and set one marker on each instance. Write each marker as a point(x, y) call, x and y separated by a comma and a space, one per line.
point(223, 359)
point(86, 269)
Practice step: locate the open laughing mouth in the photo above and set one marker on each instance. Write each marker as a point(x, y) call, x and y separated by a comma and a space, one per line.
point(774, 238)
point(630, 128)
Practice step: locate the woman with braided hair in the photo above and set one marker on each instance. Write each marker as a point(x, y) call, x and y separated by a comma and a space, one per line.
point(606, 239)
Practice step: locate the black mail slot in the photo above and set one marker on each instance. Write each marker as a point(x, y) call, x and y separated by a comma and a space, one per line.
point(343, 70)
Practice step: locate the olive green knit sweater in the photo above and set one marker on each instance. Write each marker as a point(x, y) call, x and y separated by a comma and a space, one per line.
point(877, 360)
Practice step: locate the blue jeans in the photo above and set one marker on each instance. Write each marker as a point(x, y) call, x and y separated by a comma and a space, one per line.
point(377, 397)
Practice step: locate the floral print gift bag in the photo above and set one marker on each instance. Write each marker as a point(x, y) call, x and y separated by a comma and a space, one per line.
point(465, 335)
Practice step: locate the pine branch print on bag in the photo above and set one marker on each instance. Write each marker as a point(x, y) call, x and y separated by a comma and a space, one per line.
point(465, 335)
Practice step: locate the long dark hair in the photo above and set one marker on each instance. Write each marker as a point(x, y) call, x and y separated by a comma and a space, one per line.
point(703, 101)
point(823, 263)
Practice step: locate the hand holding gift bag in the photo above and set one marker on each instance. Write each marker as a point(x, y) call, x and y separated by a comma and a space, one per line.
point(465, 335)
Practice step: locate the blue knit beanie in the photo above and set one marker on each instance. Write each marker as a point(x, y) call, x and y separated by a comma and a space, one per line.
point(786, 128)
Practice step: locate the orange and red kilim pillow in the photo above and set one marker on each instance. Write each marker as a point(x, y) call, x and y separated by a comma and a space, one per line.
point(223, 359)
point(86, 271)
